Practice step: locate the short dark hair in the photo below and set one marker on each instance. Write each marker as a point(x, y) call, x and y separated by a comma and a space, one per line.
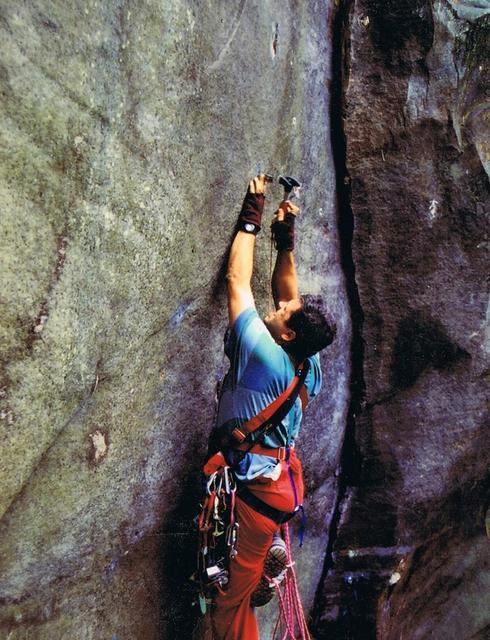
point(313, 327)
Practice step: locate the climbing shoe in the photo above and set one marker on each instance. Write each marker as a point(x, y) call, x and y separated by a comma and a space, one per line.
point(275, 567)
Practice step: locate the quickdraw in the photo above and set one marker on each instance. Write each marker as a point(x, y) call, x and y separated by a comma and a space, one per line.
point(218, 531)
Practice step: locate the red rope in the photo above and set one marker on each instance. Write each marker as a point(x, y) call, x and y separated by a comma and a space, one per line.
point(291, 618)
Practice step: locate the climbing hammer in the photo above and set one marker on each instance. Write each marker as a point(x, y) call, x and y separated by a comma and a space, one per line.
point(290, 184)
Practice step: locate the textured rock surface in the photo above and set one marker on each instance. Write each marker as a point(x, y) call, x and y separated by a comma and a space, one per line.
point(410, 552)
point(128, 133)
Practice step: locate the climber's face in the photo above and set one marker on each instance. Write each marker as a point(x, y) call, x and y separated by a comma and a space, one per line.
point(277, 321)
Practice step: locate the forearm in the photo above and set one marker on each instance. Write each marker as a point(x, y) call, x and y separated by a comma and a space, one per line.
point(239, 275)
point(284, 279)
point(241, 258)
point(240, 262)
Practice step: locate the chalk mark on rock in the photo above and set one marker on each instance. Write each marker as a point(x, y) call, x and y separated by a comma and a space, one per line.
point(222, 53)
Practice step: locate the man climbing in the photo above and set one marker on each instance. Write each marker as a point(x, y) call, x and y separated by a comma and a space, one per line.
point(264, 358)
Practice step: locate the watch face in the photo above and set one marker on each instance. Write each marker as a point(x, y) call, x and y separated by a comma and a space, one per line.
point(249, 227)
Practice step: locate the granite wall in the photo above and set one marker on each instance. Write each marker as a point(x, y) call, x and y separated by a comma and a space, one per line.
point(128, 132)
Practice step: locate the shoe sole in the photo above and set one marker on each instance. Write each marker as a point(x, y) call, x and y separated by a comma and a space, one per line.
point(275, 563)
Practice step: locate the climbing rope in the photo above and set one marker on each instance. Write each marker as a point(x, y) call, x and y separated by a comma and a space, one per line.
point(291, 622)
point(271, 306)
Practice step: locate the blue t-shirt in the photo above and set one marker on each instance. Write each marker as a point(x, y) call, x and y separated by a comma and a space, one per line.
point(260, 370)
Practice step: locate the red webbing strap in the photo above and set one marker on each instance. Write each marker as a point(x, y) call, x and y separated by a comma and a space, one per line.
point(241, 433)
point(215, 462)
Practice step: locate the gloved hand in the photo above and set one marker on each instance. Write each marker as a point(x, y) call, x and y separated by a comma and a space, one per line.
point(282, 226)
point(250, 218)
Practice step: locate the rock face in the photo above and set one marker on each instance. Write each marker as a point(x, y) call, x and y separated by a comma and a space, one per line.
point(129, 133)
point(408, 555)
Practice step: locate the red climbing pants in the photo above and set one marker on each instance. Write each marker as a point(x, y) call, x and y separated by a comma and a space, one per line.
point(233, 617)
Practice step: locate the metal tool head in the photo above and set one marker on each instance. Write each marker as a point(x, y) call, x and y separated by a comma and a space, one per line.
point(289, 183)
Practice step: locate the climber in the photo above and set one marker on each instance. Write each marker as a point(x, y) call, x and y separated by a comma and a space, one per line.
point(264, 356)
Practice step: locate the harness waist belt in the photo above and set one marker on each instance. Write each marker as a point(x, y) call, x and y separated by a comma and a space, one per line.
point(279, 517)
point(281, 453)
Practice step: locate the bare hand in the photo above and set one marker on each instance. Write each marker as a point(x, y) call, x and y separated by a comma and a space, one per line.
point(258, 184)
point(285, 207)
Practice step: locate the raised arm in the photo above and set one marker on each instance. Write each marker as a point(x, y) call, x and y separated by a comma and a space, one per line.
point(284, 280)
point(240, 262)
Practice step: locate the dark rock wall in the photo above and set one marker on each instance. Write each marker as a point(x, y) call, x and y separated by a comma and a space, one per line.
point(409, 557)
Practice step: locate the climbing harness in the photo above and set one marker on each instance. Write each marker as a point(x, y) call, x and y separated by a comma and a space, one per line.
point(272, 415)
point(279, 517)
point(247, 436)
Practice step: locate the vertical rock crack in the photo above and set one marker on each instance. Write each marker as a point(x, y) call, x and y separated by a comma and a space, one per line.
point(350, 459)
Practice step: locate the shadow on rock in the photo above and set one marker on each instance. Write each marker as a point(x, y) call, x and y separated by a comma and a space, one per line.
point(179, 611)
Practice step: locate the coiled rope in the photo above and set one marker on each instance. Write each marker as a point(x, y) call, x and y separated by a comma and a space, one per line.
point(291, 622)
